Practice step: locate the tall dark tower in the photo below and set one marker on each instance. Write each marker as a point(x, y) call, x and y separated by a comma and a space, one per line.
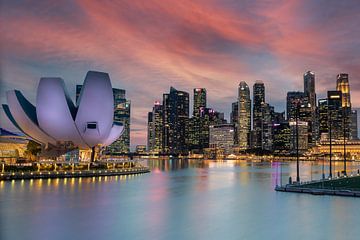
point(309, 87)
point(178, 121)
point(199, 100)
point(335, 112)
point(258, 102)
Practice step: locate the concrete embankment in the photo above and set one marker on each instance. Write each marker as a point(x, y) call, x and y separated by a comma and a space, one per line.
point(6, 176)
point(339, 186)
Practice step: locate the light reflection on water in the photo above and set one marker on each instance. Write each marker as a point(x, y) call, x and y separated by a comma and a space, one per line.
point(179, 199)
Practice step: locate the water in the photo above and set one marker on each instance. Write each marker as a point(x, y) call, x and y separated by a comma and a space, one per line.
point(179, 199)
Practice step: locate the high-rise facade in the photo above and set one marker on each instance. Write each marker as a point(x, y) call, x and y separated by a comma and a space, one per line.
point(178, 109)
point(299, 136)
point(234, 117)
point(335, 115)
point(353, 125)
point(281, 138)
point(198, 125)
point(244, 116)
point(122, 108)
point(309, 91)
point(266, 127)
point(323, 119)
point(342, 85)
point(293, 102)
point(199, 100)
point(309, 88)
point(222, 136)
point(258, 103)
point(155, 129)
point(150, 132)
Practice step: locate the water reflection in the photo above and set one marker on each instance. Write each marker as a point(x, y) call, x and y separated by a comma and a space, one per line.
point(179, 199)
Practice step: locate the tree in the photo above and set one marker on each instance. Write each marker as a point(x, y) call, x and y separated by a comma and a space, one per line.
point(32, 149)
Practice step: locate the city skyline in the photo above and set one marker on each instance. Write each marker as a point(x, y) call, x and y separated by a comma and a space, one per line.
point(261, 41)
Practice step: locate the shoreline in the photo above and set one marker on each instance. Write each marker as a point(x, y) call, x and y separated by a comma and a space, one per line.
point(9, 176)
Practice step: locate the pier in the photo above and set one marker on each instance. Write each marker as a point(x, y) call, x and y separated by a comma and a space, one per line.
point(340, 186)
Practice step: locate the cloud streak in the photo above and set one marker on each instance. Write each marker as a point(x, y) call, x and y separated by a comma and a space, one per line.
point(147, 46)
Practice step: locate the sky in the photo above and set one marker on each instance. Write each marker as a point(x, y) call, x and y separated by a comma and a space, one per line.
point(149, 45)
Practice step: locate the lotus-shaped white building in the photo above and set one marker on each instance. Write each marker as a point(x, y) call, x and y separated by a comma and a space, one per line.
point(56, 121)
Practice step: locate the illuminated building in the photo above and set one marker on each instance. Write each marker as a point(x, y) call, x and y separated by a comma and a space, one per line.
point(298, 106)
point(58, 124)
point(309, 88)
point(222, 137)
point(342, 85)
point(302, 137)
point(281, 138)
point(199, 100)
point(266, 126)
point(176, 112)
point(198, 135)
point(234, 117)
point(150, 132)
point(335, 115)
point(12, 146)
point(323, 119)
point(155, 128)
point(258, 103)
point(244, 116)
point(140, 149)
point(337, 149)
point(353, 125)
point(309, 91)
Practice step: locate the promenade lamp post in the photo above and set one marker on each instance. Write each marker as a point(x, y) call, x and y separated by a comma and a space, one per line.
point(297, 142)
point(330, 135)
point(344, 133)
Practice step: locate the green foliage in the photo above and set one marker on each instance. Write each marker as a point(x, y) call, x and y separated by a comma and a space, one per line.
point(33, 148)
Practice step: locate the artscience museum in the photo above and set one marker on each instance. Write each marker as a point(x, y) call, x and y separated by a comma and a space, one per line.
point(61, 126)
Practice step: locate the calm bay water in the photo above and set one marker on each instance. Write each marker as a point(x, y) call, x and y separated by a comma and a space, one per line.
point(179, 199)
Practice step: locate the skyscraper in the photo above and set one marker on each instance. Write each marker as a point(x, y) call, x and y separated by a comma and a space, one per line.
point(197, 125)
point(293, 101)
point(178, 110)
point(222, 137)
point(323, 119)
point(244, 121)
point(199, 100)
point(155, 129)
point(258, 102)
point(335, 112)
point(301, 135)
point(266, 127)
point(234, 117)
point(342, 85)
point(309, 88)
point(353, 125)
point(309, 91)
point(121, 116)
point(150, 132)
point(281, 138)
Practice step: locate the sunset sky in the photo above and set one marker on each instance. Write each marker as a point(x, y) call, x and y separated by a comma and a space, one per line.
point(149, 45)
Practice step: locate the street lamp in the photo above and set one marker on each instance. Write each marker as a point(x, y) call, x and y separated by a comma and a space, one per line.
point(297, 143)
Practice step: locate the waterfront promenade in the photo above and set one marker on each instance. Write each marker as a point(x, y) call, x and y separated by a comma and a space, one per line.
point(339, 186)
point(71, 174)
